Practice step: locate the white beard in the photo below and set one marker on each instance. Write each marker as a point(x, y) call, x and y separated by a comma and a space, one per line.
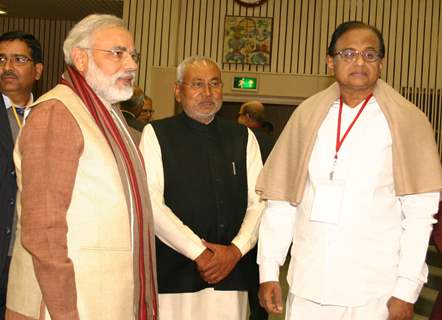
point(105, 86)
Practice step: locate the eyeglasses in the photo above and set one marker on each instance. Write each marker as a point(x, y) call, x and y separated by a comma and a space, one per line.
point(214, 84)
point(350, 55)
point(118, 54)
point(15, 59)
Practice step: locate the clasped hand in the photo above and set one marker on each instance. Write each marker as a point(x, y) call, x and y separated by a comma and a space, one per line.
point(217, 261)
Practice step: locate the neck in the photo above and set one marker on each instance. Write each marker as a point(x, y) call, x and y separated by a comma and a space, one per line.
point(19, 99)
point(254, 124)
point(353, 98)
point(204, 120)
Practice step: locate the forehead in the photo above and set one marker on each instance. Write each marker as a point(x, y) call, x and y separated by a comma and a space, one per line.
point(358, 39)
point(14, 47)
point(202, 70)
point(110, 37)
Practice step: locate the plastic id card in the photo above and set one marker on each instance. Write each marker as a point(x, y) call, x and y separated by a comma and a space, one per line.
point(328, 201)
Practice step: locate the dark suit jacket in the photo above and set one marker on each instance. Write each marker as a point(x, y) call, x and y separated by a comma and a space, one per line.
point(8, 186)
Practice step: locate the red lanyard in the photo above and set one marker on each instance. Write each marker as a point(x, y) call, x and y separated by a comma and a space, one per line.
point(339, 141)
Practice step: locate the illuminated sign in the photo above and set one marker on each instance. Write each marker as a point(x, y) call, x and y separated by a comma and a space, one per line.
point(245, 83)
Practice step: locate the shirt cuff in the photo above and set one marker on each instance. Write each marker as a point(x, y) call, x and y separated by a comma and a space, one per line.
point(195, 251)
point(268, 271)
point(407, 290)
point(244, 245)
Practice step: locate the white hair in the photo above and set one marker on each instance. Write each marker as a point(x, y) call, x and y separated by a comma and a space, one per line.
point(181, 69)
point(80, 34)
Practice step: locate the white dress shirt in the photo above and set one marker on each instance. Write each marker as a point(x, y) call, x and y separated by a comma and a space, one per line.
point(373, 244)
point(170, 229)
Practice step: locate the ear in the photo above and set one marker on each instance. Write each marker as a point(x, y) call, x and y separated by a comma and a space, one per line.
point(80, 59)
point(381, 64)
point(38, 70)
point(330, 63)
point(177, 92)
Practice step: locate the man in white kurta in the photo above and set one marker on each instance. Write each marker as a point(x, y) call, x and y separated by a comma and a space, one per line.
point(202, 255)
point(358, 246)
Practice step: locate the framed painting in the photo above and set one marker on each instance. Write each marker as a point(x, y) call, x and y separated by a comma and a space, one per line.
point(247, 40)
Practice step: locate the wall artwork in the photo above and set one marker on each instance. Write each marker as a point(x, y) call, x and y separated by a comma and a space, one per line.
point(247, 40)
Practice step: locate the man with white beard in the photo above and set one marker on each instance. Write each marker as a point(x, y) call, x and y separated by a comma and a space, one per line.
point(85, 223)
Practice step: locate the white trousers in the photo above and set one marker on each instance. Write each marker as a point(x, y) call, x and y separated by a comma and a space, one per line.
point(301, 309)
point(207, 304)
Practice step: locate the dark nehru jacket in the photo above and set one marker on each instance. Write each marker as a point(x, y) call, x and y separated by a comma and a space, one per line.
point(8, 186)
point(205, 185)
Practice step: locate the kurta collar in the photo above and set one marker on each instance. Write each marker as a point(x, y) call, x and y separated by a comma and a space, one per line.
point(198, 126)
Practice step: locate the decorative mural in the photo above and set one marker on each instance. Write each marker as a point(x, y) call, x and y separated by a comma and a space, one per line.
point(247, 40)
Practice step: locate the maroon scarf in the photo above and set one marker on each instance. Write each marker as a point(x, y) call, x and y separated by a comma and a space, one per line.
point(108, 127)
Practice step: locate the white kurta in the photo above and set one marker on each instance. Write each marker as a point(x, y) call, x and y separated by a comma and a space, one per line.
point(375, 244)
point(170, 229)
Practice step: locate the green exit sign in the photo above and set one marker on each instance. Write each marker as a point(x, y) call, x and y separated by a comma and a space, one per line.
point(245, 83)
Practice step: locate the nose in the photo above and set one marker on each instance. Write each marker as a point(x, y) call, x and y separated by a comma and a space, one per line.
point(207, 90)
point(8, 65)
point(129, 63)
point(359, 59)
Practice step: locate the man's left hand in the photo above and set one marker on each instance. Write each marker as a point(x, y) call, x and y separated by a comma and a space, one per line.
point(224, 259)
point(399, 309)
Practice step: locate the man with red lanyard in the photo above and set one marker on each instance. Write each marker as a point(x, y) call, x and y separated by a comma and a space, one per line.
point(352, 183)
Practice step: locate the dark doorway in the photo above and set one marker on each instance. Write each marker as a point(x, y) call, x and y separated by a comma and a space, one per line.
point(276, 114)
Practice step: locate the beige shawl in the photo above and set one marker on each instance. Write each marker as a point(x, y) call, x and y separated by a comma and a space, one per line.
point(416, 163)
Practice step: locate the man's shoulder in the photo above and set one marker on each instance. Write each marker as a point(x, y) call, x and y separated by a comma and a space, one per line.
point(386, 94)
point(165, 122)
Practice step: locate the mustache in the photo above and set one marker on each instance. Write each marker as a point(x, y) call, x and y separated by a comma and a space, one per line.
point(205, 101)
point(124, 74)
point(8, 73)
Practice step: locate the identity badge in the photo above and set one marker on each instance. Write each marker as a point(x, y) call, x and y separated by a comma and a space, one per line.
point(327, 201)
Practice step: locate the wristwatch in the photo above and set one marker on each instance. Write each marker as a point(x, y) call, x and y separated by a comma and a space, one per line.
point(250, 3)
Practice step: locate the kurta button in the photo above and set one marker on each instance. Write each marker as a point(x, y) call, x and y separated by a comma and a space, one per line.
point(11, 202)
point(7, 230)
point(12, 172)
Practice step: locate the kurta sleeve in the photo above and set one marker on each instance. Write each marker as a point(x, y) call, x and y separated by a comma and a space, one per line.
point(51, 144)
point(418, 211)
point(248, 233)
point(168, 227)
point(437, 230)
point(276, 232)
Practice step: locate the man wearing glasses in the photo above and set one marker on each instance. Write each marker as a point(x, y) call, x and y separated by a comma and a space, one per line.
point(86, 248)
point(352, 184)
point(21, 64)
point(202, 171)
point(147, 111)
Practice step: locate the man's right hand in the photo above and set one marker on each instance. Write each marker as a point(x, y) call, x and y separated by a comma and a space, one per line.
point(203, 260)
point(270, 297)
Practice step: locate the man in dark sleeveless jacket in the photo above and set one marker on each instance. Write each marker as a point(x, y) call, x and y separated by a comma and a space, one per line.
point(202, 171)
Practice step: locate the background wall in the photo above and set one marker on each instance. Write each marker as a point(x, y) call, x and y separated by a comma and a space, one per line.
point(167, 31)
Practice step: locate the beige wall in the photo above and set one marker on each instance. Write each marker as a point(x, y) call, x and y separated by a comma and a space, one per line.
point(167, 31)
point(51, 33)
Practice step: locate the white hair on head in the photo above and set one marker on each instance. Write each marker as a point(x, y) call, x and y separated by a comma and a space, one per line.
point(80, 34)
point(181, 69)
